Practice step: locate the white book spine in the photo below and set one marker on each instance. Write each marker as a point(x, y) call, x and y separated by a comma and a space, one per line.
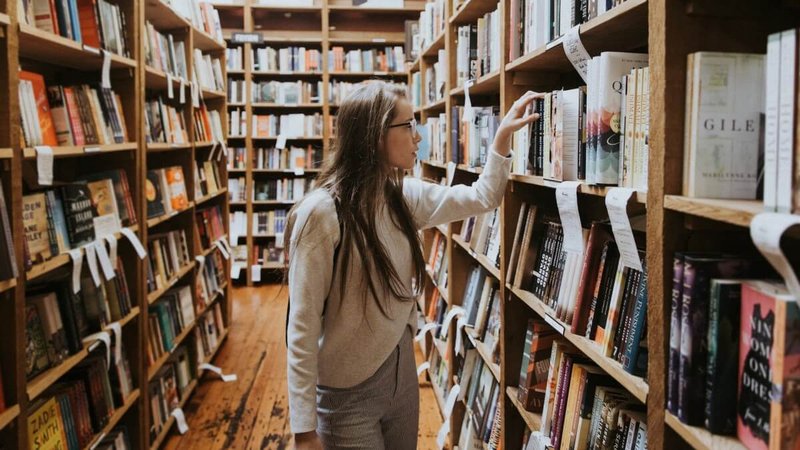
point(773, 67)
point(786, 122)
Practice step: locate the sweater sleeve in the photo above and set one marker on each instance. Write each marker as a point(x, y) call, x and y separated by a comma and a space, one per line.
point(310, 275)
point(434, 205)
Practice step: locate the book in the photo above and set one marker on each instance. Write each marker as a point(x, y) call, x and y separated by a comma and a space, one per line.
point(35, 224)
point(154, 195)
point(46, 426)
point(79, 212)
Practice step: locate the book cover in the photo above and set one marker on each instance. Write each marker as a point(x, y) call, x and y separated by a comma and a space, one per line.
point(177, 188)
point(104, 199)
point(154, 195)
point(46, 427)
point(36, 349)
point(35, 224)
point(43, 113)
point(79, 213)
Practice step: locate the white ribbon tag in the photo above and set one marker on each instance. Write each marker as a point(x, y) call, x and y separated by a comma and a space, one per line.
point(222, 250)
point(91, 259)
point(422, 367)
point(255, 273)
point(617, 204)
point(211, 152)
point(468, 116)
point(180, 420)
point(218, 371)
point(201, 261)
point(137, 244)
point(95, 339)
point(77, 265)
point(105, 76)
point(279, 237)
point(236, 270)
point(455, 311)
point(576, 52)
point(112, 248)
point(44, 164)
point(427, 328)
point(451, 171)
point(451, 400)
point(442, 436)
point(170, 93)
point(182, 92)
point(281, 144)
point(117, 328)
point(567, 201)
point(105, 262)
point(766, 230)
point(460, 324)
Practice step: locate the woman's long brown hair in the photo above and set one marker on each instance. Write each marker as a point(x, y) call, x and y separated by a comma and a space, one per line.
point(362, 183)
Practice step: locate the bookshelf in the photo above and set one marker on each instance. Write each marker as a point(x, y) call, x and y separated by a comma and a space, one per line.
point(672, 221)
point(327, 24)
point(63, 61)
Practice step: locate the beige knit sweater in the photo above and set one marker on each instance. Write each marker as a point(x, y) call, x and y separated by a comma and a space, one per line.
point(349, 344)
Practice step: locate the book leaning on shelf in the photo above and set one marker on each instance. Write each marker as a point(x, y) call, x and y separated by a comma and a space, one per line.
point(431, 23)
point(289, 59)
point(168, 254)
point(168, 387)
point(207, 178)
point(71, 215)
point(209, 226)
point(72, 412)
point(482, 233)
point(69, 115)
point(98, 24)
point(472, 141)
point(164, 123)
point(162, 51)
point(389, 59)
point(208, 71)
point(436, 79)
point(438, 261)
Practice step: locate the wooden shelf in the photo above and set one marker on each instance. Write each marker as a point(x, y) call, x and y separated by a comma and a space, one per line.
point(286, 8)
point(285, 106)
point(437, 106)
point(532, 420)
point(80, 150)
point(236, 105)
point(163, 17)
point(735, 212)
point(201, 144)
point(4, 19)
point(700, 438)
point(471, 11)
point(59, 261)
point(411, 11)
point(622, 28)
point(235, 71)
point(6, 153)
point(435, 164)
point(155, 295)
point(206, 42)
point(275, 73)
point(157, 79)
point(369, 74)
point(209, 197)
point(295, 138)
point(7, 285)
point(44, 380)
point(415, 65)
point(8, 416)
point(433, 49)
point(366, 41)
point(211, 94)
point(487, 84)
point(484, 353)
point(164, 147)
point(114, 420)
point(49, 48)
point(281, 171)
point(155, 221)
point(601, 191)
point(171, 420)
point(479, 258)
point(274, 202)
point(633, 384)
point(442, 292)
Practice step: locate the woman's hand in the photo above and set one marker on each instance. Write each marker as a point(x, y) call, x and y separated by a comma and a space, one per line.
point(513, 121)
point(307, 441)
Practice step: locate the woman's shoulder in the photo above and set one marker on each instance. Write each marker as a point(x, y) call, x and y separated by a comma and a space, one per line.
point(315, 216)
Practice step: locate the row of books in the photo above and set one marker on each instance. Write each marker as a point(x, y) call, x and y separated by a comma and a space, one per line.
point(730, 334)
point(162, 51)
point(212, 278)
point(208, 125)
point(208, 179)
point(283, 189)
point(269, 223)
point(288, 59)
point(439, 371)
point(74, 214)
point(481, 426)
point(339, 90)
point(416, 89)
point(438, 261)
point(201, 14)
point(268, 254)
point(237, 91)
point(237, 223)
point(482, 233)
point(210, 329)
point(73, 411)
point(208, 71)
point(209, 225)
point(234, 58)
point(164, 123)
point(168, 387)
point(8, 258)
point(100, 24)
point(57, 319)
point(167, 317)
point(292, 158)
point(166, 191)
point(388, 59)
point(472, 140)
point(431, 23)
point(287, 92)
point(582, 406)
point(482, 304)
point(434, 138)
point(594, 294)
point(69, 115)
point(436, 79)
point(413, 40)
point(237, 190)
point(289, 125)
point(168, 254)
point(538, 23)
point(478, 48)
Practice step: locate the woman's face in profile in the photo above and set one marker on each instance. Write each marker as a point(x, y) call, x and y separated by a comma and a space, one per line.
point(402, 140)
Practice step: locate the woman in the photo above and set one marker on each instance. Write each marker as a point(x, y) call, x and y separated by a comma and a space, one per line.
point(356, 266)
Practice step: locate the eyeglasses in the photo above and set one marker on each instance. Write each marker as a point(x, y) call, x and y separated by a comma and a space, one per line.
point(411, 124)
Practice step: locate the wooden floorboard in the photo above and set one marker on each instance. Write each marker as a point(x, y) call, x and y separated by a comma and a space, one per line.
point(252, 412)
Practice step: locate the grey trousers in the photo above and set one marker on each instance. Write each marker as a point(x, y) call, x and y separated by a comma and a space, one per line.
point(380, 413)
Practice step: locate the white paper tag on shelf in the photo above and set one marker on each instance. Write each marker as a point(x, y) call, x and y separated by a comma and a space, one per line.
point(279, 237)
point(299, 171)
point(379, 40)
point(182, 92)
point(441, 437)
point(222, 250)
point(451, 171)
point(112, 248)
point(460, 324)
point(95, 339)
point(91, 260)
point(134, 240)
point(117, 329)
point(766, 230)
point(576, 52)
point(281, 141)
point(617, 204)
point(255, 272)
point(105, 75)
point(567, 200)
point(44, 164)
point(91, 49)
point(195, 95)
point(236, 270)
point(218, 371)
point(180, 420)
point(427, 328)
point(224, 147)
point(105, 225)
point(451, 400)
point(558, 326)
point(468, 116)
point(77, 265)
point(455, 311)
point(105, 261)
point(211, 152)
point(227, 246)
point(170, 93)
point(201, 261)
point(91, 149)
point(422, 367)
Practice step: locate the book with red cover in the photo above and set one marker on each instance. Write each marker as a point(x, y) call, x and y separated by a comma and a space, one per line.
point(42, 107)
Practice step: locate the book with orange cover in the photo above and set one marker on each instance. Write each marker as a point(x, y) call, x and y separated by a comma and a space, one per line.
point(42, 107)
point(90, 31)
point(177, 188)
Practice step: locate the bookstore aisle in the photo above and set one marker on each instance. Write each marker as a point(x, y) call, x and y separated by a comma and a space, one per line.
point(252, 412)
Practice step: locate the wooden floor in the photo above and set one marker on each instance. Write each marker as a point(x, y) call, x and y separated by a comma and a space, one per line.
point(252, 412)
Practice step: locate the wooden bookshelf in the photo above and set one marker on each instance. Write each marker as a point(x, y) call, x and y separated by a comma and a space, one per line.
point(115, 419)
point(700, 438)
point(81, 150)
point(155, 295)
point(601, 191)
point(734, 212)
point(532, 420)
point(8, 416)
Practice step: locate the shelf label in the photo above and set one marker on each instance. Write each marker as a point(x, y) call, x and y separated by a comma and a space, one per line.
point(218, 371)
point(576, 52)
point(247, 38)
point(379, 40)
point(255, 273)
point(236, 271)
point(559, 327)
point(170, 93)
point(617, 205)
point(105, 74)
point(279, 237)
point(77, 265)
point(468, 115)
point(134, 240)
point(281, 142)
point(91, 259)
point(567, 201)
point(90, 49)
point(91, 149)
point(44, 164)
point(766, 229)
point(422, 367)
point(117, 329)
point(299, 171)
point(180, 420)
